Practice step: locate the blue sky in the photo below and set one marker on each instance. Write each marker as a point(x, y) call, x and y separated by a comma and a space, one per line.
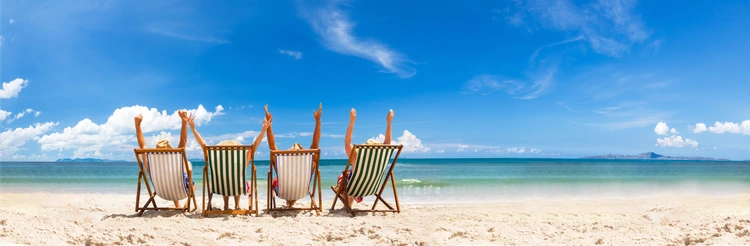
point(466, 79)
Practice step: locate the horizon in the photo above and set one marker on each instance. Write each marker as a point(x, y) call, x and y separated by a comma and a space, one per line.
point(509, 79)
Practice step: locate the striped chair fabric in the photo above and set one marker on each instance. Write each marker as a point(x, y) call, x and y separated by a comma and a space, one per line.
point(294, 172)
point(367, 174)
point(227, 168)
point(166, 169)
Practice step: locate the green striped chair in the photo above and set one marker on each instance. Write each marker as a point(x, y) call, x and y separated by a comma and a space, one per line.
point(165, 172)
point(224, 174)
point(294, 170)
point(369, 176)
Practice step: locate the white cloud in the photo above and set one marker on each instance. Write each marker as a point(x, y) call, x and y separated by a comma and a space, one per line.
point(4, 114)
point(609, 26)
point(411, 143)
point(12, 140)
point(19, 115)
point(661, 128)
point(440, 151)
point(674, 131)
point(518, 150)
point(715, 148)
point(13, 88)
point(730, 127)
point(10, 22)
point(22, 114)
point(535, 151)
point(296, 54)
point(335, 28)
point(676, 141)
point(699, 128)
point(118, 132)
point(461, 147)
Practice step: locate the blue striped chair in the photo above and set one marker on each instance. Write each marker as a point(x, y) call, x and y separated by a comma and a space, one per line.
point(166, 168)
point(294, 170)
point(369, 176)
point(225, 174)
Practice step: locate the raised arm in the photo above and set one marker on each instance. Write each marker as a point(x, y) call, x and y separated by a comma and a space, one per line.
point(349, 129)
point(138, 132)
point(266, 125)
point(191, 120)
point(269, 134)
point(183, 131)
point(316, 134)
point(388, 134)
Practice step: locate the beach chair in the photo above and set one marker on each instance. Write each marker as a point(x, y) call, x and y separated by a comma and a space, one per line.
point(294, 170)
point(224, 173)
point(369, 174)
point(166, 168)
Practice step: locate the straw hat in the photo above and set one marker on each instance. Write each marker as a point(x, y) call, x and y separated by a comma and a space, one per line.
point(163, 144)
point(228, 143)
point(372, 141)
point(296, 146)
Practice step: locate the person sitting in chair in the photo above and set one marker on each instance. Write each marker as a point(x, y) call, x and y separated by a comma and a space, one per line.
point(348, 148)
point(165, 144)
point(191, 120)
point(295, 146)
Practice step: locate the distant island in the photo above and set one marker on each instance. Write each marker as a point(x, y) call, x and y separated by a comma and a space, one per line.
point(86, 160)
point(653, 156)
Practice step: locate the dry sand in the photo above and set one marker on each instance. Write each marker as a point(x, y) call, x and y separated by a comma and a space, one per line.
point(109, 219)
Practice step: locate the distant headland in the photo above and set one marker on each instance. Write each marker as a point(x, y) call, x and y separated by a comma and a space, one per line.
point(86, 160)
point(652, 156)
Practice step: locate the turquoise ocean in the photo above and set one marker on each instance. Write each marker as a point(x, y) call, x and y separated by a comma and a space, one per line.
point(437, 180)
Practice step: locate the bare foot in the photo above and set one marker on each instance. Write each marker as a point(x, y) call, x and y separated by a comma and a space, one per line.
point(289, 204)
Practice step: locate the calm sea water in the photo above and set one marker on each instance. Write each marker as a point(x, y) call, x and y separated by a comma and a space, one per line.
point(436, 180)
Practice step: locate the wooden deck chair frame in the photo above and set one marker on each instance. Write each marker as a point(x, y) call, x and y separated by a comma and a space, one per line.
point(341, 194)
point(252, 207)
point(315, 172)
point(142, 178)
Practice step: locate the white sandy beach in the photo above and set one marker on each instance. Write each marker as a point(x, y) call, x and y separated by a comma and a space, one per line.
point(109, 219)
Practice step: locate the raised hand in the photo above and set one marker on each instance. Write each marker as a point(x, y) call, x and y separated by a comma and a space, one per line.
point(183, 115)
point(353, 115)
point(317, 114)
point(389, 117)
point(268, 114)
point(190, 120)
point(138, 119)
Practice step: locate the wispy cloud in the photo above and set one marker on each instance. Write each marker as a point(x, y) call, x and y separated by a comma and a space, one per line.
point(189, 37)
point(536, 52)
point(335, 29)
point(530, 88)
point(609, 26)
point(562, 104)
point(296, 54)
